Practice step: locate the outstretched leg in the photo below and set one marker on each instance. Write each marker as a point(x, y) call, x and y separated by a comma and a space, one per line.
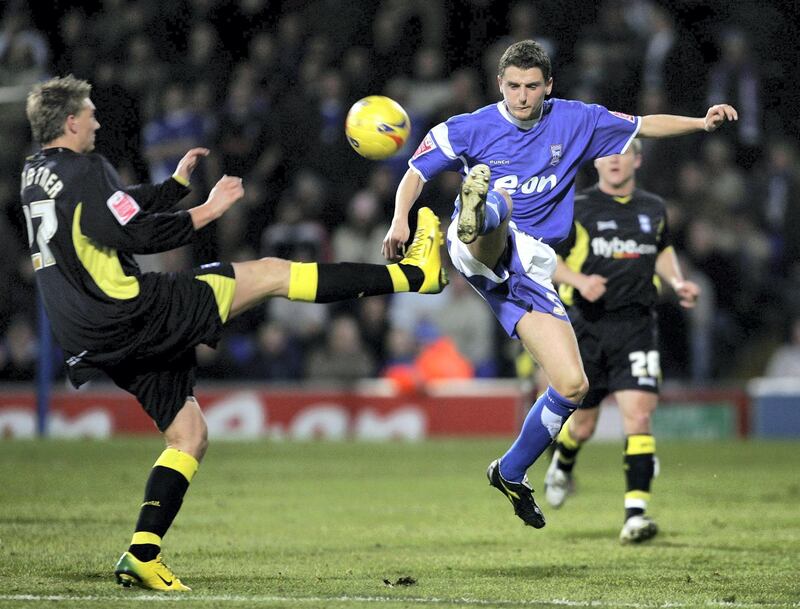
point(420, 271)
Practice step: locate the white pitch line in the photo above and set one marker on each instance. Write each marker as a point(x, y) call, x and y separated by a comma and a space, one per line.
point(466, 602)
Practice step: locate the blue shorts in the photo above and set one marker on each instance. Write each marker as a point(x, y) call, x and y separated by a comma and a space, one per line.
point(519, 283)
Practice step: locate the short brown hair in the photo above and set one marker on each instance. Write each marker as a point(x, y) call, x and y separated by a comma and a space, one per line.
point(526, 54)
point(51, 102)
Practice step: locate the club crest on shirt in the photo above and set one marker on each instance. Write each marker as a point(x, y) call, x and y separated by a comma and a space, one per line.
point(645, 224)
point(555, 154)
point(426, 145)
point(123, 206)
point(623, 116)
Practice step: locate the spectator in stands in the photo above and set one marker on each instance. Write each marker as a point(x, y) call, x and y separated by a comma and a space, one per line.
point(276, 357)
point(18, 351)
point(359, 237)
point(735, 78)
point(342, 358)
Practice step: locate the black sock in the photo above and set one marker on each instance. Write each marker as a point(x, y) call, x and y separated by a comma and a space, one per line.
point(321, 282)
point(163, 496)
point(639, 469)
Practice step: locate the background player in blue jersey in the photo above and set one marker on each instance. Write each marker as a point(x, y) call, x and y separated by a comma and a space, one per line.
point(520, 157)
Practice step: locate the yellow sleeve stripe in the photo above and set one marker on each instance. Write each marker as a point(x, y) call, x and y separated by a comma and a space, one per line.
point(640, 445)
point(180, 179)
point(303, 281)
point(102, 264)
point(180, 461)
point(224, 288)
point(399, 279)
point(143, 537)
point(575, 260)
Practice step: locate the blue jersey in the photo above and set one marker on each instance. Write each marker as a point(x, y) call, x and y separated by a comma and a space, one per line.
point(535, 162)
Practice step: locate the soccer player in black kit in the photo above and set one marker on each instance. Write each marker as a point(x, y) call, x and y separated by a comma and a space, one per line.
point(84, 226)
point(619, 247)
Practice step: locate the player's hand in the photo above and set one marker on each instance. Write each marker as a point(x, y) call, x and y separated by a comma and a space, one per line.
point(189, 161)
point(225, 193)
point(394, 244)
point(592, 287)
point(718, 114)
point(688, 292)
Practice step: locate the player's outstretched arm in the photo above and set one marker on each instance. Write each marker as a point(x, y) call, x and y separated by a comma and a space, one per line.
point(669, 269)
point(670, 125)
point(225, 193)
point(591, 287)
point(408, 192)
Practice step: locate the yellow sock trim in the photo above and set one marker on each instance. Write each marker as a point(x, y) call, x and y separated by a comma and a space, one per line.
point(567, 440)
point(180, 461)
point(142, 537)
point(223, 287)
point(640, 445)
point(399, 279)
point(640, 495)
point(303, 281)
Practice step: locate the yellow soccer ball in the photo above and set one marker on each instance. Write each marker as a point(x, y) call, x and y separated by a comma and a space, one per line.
point(377, 127)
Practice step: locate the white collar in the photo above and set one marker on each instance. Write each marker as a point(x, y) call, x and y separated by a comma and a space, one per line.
point(529, 124)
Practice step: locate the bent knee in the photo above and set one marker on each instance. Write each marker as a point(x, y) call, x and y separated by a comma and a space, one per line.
point(574, 389)
point(581, 428)
point(504, 193)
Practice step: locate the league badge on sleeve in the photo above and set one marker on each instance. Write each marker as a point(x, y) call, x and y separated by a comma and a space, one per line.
point(123, 206)
point(426, 145)
point(623, 116)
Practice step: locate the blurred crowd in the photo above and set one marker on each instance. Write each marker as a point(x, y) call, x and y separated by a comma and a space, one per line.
point(266, 86)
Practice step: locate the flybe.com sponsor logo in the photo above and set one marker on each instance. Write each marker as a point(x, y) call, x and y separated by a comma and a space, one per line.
point(621, 248)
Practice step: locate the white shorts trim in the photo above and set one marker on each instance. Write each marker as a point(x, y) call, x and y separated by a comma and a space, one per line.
point(537, 258)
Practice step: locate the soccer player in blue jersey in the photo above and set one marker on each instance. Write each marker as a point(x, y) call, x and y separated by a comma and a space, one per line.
point(520, 157)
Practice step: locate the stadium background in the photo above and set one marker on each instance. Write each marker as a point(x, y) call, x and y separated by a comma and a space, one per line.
point(266, 86)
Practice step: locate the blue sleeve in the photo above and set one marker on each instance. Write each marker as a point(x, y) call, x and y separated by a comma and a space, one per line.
point(613, 131)
point(441, 150)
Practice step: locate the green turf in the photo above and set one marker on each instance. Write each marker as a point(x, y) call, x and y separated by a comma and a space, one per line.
point(324, 524)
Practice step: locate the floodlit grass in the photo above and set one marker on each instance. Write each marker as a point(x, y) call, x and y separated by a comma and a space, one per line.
point(324, 524)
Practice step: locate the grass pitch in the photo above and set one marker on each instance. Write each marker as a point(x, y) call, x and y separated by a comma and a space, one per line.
point(327, 524)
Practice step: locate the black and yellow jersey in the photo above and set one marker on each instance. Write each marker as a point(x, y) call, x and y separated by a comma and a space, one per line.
point(83, 228)
point(620, 239)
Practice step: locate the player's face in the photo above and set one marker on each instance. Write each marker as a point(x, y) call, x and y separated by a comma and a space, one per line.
point(84, 125)
point(524, 91)
point(618, 170)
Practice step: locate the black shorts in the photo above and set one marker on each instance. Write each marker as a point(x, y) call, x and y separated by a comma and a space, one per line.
point(619, 351)
point(192, 310)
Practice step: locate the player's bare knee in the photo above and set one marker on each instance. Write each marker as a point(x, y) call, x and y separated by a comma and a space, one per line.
point(574, 389)
point(581, 429)
point(508, 199)
point(638, 423)
point(275, 274)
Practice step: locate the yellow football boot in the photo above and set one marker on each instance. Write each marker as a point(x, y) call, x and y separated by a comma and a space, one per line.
point(153, 574)
point(425, 254)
